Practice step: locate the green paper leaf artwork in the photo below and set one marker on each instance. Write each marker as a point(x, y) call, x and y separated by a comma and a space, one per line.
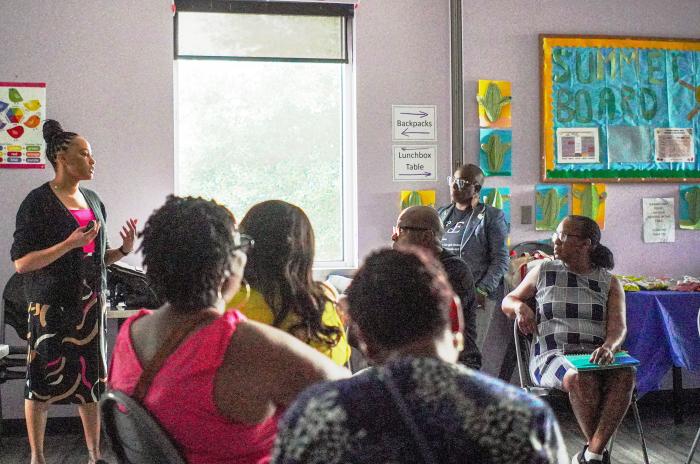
point(549, 205)
point(413, 199)
point(495, 150)
point(498, 197)
point(590, 200)
point(693, 199)
point(493, 102)
point(689, 207)
point(495, 199)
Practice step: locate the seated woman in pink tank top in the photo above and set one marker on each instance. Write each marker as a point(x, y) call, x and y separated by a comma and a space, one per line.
point(220, 393)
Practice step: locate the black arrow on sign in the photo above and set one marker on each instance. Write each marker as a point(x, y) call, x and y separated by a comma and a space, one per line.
point(424, 173)
point(405, 132)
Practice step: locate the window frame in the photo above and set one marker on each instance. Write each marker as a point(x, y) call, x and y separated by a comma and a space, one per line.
point(348, 190)
point(345, 12)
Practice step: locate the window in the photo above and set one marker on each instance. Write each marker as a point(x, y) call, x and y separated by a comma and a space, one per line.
point(263, 106)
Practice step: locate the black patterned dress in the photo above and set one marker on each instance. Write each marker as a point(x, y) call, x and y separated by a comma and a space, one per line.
point(66, 338)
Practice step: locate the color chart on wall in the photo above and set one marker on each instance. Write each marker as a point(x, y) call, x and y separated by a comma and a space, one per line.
point(620, 109)
point(22, 113)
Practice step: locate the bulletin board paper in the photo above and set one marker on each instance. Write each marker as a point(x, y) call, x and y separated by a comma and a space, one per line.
point(614, 85)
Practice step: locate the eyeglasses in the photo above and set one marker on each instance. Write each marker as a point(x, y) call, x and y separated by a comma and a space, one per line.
point(399, 229)
point(242, 242)
point(563, 236)
point(461, 183)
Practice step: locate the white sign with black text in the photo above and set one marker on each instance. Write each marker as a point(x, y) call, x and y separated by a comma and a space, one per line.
point(414, 122)
point(659, 222)
point(415, 162)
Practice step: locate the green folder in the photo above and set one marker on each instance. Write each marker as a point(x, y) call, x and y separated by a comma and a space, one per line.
point(581, 361)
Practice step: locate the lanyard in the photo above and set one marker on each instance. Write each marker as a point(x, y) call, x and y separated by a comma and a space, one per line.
point(464, 238)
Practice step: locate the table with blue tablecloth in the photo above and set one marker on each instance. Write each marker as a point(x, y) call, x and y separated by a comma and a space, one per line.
point(662, 333)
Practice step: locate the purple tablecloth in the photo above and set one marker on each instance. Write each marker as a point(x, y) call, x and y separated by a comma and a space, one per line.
point(662, 332)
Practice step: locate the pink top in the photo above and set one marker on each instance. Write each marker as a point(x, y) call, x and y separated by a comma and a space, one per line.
point(181, 397)
point(83, 216)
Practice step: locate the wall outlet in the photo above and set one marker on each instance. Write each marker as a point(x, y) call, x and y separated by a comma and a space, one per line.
point(526, 214)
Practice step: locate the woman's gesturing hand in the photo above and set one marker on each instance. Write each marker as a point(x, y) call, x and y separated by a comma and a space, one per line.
point(128, 235)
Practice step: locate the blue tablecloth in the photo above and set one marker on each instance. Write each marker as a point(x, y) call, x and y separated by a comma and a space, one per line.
point(662, 332)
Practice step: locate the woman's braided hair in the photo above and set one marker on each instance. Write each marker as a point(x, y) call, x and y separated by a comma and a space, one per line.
point(56, 139)
point(188, 248)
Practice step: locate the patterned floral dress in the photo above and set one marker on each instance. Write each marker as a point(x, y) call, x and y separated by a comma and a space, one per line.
point(464, 416)
point(65, 359)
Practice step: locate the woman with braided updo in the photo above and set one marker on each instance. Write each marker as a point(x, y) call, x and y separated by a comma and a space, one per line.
point(61, 248)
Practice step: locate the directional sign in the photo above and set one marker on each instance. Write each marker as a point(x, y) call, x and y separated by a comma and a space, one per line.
point(413, 122)
point(415, 162)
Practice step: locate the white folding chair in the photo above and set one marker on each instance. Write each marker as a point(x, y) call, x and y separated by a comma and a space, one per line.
point(697, 435)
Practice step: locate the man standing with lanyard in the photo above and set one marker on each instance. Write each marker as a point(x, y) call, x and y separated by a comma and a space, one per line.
point(477, 233)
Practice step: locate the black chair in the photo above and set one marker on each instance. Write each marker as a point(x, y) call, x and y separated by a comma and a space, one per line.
point(522, 343)
point(135, 435)
point(13, 310)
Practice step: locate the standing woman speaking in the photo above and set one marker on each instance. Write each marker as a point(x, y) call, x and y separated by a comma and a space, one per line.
point(60, 247)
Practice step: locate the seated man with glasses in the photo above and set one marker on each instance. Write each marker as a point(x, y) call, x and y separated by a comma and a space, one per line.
point(477, 233)
point(580, 308)
point(420, 226)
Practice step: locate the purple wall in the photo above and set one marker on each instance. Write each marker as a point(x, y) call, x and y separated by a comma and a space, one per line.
point(402, 57)
point(505, 46)
point(109, 73)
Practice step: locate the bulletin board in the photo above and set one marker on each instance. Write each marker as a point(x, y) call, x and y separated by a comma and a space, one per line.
point(620, 109)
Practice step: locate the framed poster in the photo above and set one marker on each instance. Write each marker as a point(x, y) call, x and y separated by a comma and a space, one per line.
point(22, 113)
point(620, 109)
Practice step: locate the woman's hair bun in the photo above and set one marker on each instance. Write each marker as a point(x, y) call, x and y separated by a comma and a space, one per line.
point(51, 129)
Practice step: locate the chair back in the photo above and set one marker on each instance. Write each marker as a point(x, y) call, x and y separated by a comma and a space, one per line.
point(135, 435)
point(522, 344)
point(531, 247)
point(13, 307)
